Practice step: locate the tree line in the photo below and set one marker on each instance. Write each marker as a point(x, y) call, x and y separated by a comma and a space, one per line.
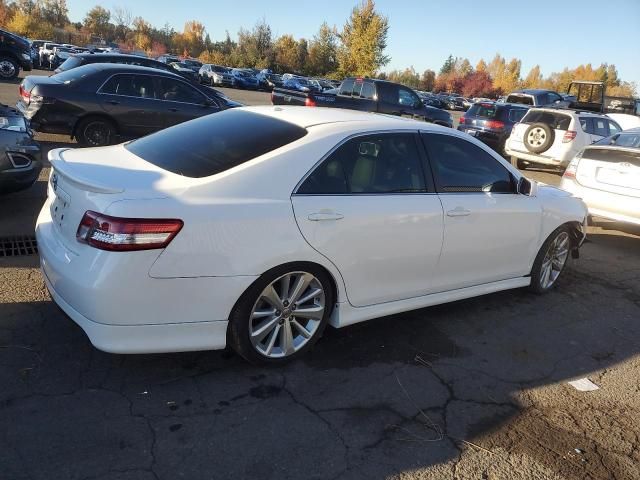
point(499, 77)
point(357, 49)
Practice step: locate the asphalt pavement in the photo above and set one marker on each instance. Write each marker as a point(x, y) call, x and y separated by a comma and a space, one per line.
point(476, 389)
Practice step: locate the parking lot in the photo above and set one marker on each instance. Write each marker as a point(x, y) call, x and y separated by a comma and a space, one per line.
point(476, 389)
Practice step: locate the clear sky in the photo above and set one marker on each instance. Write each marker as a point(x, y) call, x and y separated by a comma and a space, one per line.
point(552, 33)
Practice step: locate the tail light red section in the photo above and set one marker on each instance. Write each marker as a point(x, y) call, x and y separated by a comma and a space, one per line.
point(309, 102)
point(126, 234)
point(494, 124)
point(569, 135)
point(25, 95)
point(461, 121)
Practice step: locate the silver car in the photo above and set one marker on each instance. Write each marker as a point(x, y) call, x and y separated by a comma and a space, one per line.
point(606, 175)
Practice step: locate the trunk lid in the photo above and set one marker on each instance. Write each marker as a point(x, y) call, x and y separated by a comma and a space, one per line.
point(95, 178)
point(614, 170)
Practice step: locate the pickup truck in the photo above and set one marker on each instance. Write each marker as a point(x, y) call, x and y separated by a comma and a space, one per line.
point(369, 95)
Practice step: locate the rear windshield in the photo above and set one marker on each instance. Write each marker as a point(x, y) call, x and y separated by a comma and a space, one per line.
point(522, 99)
point(630, 140)
point(74, 74)
point(215, 143)
point(484, 110)
point(69, 63)
point(557, 121)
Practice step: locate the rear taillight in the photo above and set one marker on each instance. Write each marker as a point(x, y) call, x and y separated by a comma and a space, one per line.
point(572, 168)
point(569, 135)
point(494, 124)
point(126, 234)
point(272, 98)
point(26, 96)
point(462, 120)
point(309, 102)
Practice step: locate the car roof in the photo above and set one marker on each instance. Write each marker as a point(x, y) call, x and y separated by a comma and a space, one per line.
point(125, 68)
point(568, 111)
point(306, 117)
point(112, 55)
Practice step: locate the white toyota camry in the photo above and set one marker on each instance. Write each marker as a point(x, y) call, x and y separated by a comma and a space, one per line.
point(255, 227)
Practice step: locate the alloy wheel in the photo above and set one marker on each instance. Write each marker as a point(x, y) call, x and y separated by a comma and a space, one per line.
point(554, 260)
point(97, 134)
point(287, 315)
point(7, 69)
point(536, 137)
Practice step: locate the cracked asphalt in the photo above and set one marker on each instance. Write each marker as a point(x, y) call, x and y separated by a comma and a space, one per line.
point(476, 389)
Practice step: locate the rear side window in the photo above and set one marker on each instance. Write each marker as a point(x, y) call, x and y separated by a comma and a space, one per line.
point(372, 164)
point(139, 86)
point(600, 127)
point(557, 121)
point(347, 87)
point(368, 91)
point(462, 167)
point(215, 143)
point(516, 114)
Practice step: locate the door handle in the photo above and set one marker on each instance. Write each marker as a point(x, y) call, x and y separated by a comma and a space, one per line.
point(173, 109)
point(459, 212)
point(113, 102)
point(325, 216)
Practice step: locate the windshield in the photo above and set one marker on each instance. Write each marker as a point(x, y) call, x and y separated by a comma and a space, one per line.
point(243, 73)
point(557, 121)
point(629, 140)
point(484, 110)
point(75, 74)
point(69, 63)
point(521, 99)
point(275, 77)
point(215, 143)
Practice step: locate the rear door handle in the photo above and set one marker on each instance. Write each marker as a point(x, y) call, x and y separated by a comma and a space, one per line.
point(113, 102)
point(459, 212)
point(325, 216)
point(173, 109)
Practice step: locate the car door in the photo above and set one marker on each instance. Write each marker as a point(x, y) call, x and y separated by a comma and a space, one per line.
point(368, 209)
point(490, 231)
point(181, 102)
point(130, 99)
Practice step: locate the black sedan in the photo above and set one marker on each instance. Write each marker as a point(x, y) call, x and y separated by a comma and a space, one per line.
point(101, 103)
point(19, 152)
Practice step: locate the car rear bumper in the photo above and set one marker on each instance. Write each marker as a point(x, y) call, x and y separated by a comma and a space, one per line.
point(16, 179)
point(494, 140)
point(123, 309)
point(612, 206)
point(535, 158)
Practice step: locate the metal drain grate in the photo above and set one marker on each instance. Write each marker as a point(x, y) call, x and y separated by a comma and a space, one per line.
point(18, 246)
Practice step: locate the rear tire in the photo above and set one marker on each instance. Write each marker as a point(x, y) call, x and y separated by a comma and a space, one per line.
point(551, 261)
point(9, 68)
point(264, 327)
point(516, 162)
point(95, 132)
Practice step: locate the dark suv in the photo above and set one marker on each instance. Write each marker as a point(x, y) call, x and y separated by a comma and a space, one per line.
point(15, 53)
point(491, 122)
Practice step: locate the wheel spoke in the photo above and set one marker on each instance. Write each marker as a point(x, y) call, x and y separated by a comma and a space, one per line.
point(263, 330)
point(285, 285)
point(305, 333)
point(309, 296)
point(312, 313)
point(270, 296)
point(546, 274)
point(300, 286)
point(263, 313)
point(558, 264)
point(287, 339)
point(272, 340)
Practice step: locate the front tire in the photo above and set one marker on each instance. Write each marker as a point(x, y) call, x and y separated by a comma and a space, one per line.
point(95, 132)
point(9, 68)
point(282, 315)
point(550, 261)
point(516, 162)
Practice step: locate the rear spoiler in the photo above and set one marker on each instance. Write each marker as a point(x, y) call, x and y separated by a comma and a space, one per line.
point(61, 167)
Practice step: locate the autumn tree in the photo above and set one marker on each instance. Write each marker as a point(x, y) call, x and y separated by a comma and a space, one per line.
point(364, 40)
point(533, 78)
point(323, 51)
point(286, 53)
point(97, 21)
point(481, 66)
point(428, 80)
point(55, 12)
point(463, 67)
point(448, 66)
point(302, 55)
point(478, 84)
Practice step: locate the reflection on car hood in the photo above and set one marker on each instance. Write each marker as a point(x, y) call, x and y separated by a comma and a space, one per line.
point(545, 190)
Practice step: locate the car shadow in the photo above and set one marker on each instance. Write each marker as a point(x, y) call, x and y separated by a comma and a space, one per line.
point(377, 399)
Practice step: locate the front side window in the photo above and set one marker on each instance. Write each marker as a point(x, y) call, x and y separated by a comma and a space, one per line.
point(462, 167)
point(140, 86)
point(368, 91)
point(372, 164)
point(176, 91)
point(613, 128)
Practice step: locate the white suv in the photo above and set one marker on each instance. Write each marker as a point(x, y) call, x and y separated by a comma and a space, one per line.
point(552, 136)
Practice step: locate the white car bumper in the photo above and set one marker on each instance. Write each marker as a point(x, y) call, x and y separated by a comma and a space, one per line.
point(620, 208)
point(124, 310)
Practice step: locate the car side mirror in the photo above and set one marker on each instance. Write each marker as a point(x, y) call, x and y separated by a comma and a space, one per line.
point(527, 187)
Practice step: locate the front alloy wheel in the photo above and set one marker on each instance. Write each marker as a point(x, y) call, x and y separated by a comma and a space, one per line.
point(282, 314)
point(551, 260)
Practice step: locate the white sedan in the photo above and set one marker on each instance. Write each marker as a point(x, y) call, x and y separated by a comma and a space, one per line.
point(255, 227)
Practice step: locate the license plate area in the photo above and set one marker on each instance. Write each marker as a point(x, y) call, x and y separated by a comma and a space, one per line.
point(60, 207)
point(472, 132)
point(618, 178)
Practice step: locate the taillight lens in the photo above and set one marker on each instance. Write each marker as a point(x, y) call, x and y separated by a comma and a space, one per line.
point(26, 96)
point(494, 124)
point(462, 120)
point(126, 234)
point(569, 135)
point(572, 168)
point(272, 98)
point(309, 102)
